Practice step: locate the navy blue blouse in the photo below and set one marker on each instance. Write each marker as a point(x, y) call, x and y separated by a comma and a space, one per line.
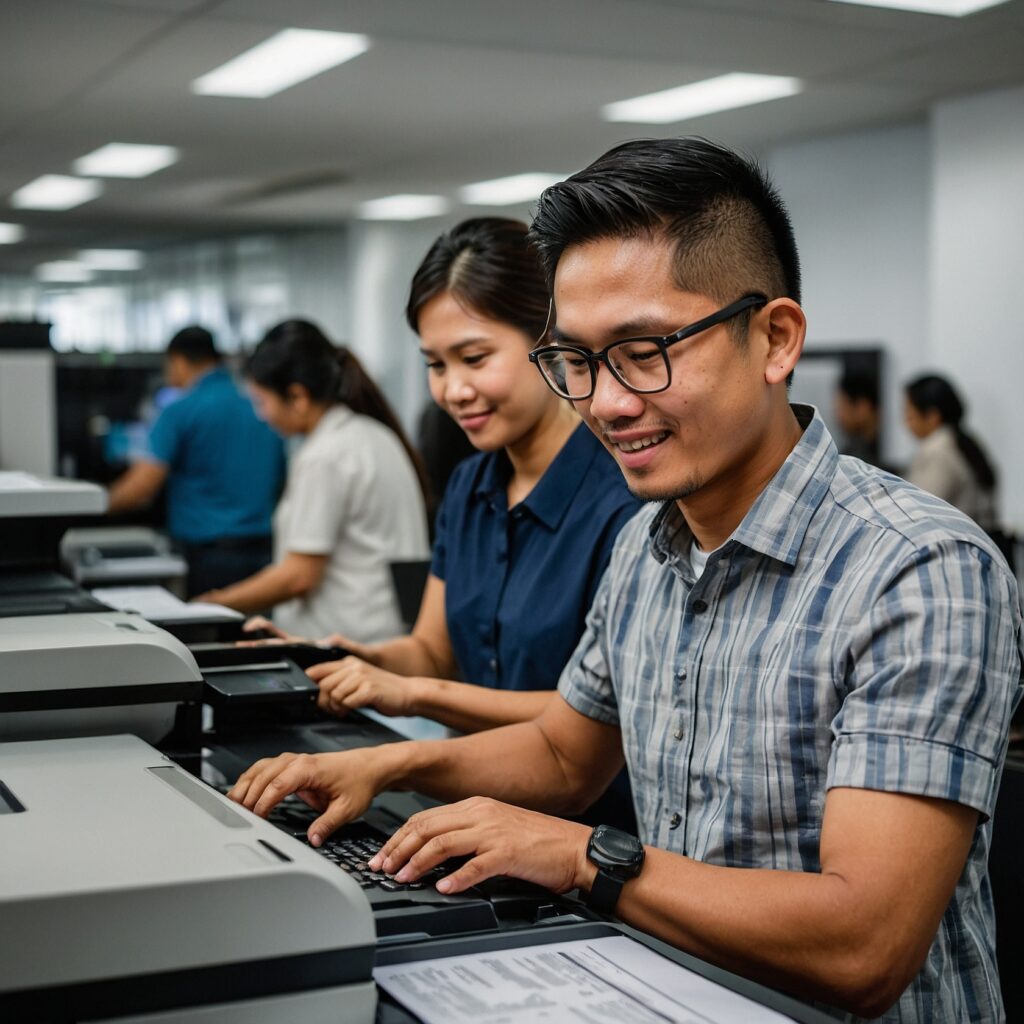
point(519, 582)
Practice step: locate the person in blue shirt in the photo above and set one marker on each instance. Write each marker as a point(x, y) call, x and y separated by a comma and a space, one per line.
point(222, 466)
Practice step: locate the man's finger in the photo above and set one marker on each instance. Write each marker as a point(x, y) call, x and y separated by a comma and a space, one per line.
point(297, 775)
point(437, 850)
point(473, 872)
point(337, 814)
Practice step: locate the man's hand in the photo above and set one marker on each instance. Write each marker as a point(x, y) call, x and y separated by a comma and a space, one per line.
point(339, 785)
point(352, 683)
point(498, 838)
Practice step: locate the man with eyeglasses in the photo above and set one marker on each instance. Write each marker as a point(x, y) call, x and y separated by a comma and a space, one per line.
point(808, 666)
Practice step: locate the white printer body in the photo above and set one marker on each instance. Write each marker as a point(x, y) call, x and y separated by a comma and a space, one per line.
point(132, 892)
point(91, 673)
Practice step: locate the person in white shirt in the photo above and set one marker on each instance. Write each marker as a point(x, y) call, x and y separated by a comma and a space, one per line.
point(948, 463)
point(354, 501)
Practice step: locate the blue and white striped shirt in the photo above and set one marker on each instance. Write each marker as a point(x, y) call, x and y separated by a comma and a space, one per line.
point(853, 631)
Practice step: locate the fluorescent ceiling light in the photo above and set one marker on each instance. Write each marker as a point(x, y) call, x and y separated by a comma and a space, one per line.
point(699, 98)
point(64, 271)
point(950, 8)
point(283, 60)
point(404, 207)
point(518, 188)
point(126, 160)
point(55, 192)
point(111, 259)
point(11, 233)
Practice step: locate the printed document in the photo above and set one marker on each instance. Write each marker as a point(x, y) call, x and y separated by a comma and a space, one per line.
point(609, 980)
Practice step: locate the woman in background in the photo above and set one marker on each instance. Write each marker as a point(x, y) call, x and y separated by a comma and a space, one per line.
point(354, 498)
point(948, 463)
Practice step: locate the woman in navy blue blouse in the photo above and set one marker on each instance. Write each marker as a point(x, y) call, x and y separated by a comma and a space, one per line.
point(526, 527)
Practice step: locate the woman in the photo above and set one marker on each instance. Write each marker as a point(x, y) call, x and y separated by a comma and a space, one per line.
point(354, 497)
point(948, 463)
point(526, 526)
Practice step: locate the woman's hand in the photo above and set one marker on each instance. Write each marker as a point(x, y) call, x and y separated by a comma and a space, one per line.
point(353, 683)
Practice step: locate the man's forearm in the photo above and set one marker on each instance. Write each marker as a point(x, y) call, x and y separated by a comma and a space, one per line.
point(411, 656)
point(479, 765)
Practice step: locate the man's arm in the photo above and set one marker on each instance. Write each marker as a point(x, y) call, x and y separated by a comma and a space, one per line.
point(136, 487)
point(293, 576)
point(853, 935)
point(561, 763)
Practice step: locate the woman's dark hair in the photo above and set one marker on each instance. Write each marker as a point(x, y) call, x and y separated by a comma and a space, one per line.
point(489, 266)
point(934, 392)
point(298, 352)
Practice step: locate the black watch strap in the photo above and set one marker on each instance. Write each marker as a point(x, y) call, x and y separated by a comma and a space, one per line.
point(604, 893)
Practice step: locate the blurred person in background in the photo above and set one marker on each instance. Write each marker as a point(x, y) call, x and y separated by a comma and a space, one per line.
point(222, 466)
point(948, 462)
point(355, 498)
point(859, 413)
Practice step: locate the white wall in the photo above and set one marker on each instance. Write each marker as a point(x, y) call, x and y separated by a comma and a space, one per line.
point(976, 319)
point(860, 206)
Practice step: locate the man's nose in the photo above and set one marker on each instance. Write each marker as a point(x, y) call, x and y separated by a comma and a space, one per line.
point(612, 400)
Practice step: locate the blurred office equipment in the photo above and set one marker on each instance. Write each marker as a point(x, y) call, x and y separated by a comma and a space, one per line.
point(111, 555)
point(28, 416)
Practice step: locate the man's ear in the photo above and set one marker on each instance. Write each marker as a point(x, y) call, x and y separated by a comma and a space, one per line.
point(786, 327)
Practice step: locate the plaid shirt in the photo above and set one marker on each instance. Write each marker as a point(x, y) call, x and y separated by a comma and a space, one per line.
point(853, 631)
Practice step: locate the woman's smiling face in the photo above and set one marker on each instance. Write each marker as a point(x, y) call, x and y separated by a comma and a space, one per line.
point(480, 375)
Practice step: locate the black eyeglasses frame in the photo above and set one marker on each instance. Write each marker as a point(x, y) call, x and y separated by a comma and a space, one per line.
point(594, 359)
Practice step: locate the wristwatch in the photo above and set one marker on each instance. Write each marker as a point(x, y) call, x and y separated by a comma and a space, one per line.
point(619, 857)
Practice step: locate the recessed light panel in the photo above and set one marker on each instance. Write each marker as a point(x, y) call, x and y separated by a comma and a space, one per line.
point(725, 92)
point(11, 233)
point(517, 188)
point(55, 192)
point(111, 259)
point(283, 60)
point(64, 272)
point(405, 206)
point(949, 8)
point(126, 160)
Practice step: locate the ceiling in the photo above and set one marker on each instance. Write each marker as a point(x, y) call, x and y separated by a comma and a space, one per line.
point(452, 91)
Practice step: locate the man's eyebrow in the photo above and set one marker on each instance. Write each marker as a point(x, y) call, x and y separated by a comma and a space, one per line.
point(638, 327)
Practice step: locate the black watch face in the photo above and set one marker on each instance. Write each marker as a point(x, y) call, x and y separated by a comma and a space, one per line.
point(615, 846)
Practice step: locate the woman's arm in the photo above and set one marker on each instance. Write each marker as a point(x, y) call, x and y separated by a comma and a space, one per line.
point(293, 576)
point(352, 683)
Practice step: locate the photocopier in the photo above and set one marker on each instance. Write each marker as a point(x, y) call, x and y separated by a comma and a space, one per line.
point(129, 890)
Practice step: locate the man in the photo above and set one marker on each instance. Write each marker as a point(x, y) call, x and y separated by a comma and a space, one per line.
point(858, 413)
point(809, 668)
point(223, 468)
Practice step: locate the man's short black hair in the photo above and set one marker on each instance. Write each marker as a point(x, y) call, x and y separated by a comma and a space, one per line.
point(858, 382)
point(731, 231)
point(194, 344)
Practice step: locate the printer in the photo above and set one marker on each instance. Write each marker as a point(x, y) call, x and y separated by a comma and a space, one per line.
point(108, 555)
point(131, 892)
point(93, 673)
point(34, 514)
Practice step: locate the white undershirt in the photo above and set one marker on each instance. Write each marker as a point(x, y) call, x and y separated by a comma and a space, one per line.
point(699, 558)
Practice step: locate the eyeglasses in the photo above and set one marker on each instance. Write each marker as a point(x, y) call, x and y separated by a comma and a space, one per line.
point(640, 364)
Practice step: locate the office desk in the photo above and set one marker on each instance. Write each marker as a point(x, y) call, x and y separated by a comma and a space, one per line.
point(226, 756)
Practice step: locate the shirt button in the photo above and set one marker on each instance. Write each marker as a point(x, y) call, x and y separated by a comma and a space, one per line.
point(679, 734)
point(494, 664)
point(700, 606)
point(681, 675)
point(675, 821)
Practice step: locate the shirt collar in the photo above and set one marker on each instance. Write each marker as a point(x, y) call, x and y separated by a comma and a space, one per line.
point(777, 522)
point(333, 416)
point(215, 373)
point(554, 492)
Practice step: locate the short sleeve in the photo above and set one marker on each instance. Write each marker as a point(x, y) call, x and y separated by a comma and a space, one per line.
point(439, 555)
point(586, 683)
point(934, 676)
point(319, 496)
point(164, 441)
